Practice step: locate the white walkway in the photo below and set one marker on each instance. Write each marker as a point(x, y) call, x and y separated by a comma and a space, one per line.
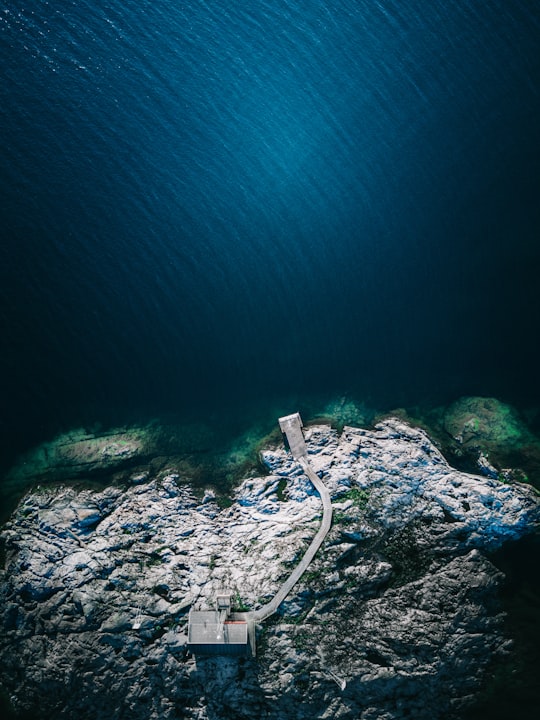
point(291, 425)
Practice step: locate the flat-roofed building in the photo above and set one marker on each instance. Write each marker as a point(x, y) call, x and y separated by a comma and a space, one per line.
point(207, 635)
point(220, 631)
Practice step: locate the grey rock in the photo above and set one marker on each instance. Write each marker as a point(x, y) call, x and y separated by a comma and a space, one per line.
point(400, 604)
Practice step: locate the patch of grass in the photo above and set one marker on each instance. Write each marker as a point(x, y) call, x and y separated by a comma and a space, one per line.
point(282, 484)
point(302, 682)
point(359, 497)
point(294, 619)
point(163, 548)
point(342, 518)
point(224, 501)
point(288, 565)
point(238, 605)
point(311, 575)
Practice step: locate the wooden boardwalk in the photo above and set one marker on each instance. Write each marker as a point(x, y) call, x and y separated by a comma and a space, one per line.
point(291, 425)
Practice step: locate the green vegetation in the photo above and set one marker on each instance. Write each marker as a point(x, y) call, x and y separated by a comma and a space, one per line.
point(342, 518)
point(154, 559)
point(301, 640)
point(311, 575)
point(282, 484)
point(295, 619)
point(224, 501)
point(359, 497)
point(238, 605)
point(250, 546)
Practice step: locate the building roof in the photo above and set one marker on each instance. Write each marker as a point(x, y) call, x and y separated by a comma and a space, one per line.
point(205, 629)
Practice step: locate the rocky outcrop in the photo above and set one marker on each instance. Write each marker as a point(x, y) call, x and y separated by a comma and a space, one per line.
point(486, 424)
point(397, 616)
point(491, 436)
point(197, 451)
point(81, 454)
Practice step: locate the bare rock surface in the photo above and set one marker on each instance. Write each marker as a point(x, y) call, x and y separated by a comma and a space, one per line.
point(398, 616)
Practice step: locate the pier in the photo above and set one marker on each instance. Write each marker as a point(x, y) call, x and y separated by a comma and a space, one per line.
point(225, 633)
point(291, 425)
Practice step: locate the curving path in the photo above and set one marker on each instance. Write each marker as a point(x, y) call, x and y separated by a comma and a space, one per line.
point(271, 607)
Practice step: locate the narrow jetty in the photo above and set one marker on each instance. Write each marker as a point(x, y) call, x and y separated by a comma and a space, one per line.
point(222, 632)
point(291, 425)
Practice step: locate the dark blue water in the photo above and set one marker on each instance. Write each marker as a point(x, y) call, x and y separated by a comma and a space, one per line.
point(214, 204)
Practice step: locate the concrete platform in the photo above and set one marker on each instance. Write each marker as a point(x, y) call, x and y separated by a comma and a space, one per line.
point(292, 425)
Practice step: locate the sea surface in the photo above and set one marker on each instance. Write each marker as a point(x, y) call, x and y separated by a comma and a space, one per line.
point(210, 208)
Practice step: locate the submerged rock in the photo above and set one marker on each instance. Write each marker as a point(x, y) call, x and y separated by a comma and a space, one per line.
point(397, 616)
point(81, 454)
point(486, 424)
point(134, 454)
point(493, 436)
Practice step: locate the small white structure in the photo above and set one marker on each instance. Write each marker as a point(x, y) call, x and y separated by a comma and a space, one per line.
point(292, 426)
point(138, 620)
point(220, 631)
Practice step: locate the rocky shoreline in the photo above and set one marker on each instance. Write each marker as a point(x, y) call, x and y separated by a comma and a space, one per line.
point(398, 616)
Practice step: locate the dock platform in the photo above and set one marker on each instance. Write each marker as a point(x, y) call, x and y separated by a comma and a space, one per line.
point(221, 632)
point(292, 425)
